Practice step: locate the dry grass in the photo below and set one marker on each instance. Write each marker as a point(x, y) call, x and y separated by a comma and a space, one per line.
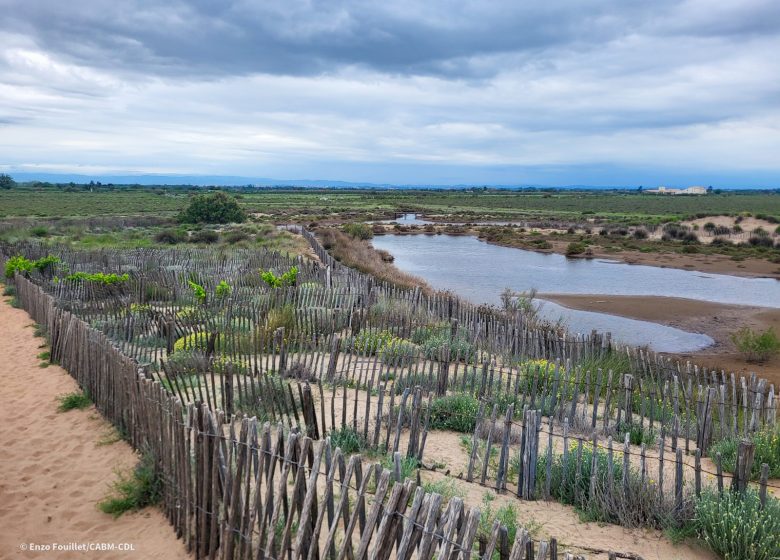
point(361, 255)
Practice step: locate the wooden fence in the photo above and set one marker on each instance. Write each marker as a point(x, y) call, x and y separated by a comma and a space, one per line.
point(235, 489)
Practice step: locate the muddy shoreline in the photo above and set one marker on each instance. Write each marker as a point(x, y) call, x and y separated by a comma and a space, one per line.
point(717, 320)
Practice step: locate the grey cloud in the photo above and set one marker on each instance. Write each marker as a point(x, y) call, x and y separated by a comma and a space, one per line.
point(302, 37)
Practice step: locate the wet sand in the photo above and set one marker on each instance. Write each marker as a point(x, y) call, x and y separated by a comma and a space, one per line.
point(717, 320)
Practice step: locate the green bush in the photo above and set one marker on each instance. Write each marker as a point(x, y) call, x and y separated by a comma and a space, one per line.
point(370, 341)
point(736, 527)
point(398, 351)
point(170, 237)
point(213, 208)
point(348, 440)
point(16, 264)
point(454, 412)
point(289, 278)
point(198, 291)
point(194, 341)
point(767, 450)
point(205, 236)
point(223, 289)
point(45, 264)
point(756, 346)
point(358, 230)
point(137, 491)
point(111, 279)
point(576, 248)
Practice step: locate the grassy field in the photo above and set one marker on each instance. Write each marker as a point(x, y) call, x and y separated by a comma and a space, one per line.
point(319, 204)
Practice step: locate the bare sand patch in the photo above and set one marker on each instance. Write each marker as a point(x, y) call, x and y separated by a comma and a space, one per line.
point(714, 319)
point(54, 472)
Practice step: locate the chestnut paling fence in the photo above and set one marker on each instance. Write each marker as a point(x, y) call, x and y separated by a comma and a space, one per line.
point(247, 386)
point(234, 487)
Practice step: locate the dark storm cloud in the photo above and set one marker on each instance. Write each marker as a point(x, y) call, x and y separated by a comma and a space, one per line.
point(447, 38)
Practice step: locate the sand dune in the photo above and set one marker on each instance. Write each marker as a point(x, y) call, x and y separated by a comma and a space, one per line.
point(53, 472)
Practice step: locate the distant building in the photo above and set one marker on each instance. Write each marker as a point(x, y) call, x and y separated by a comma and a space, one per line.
point(670, 191)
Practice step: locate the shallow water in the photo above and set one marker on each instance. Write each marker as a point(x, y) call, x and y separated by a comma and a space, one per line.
point(479, 272)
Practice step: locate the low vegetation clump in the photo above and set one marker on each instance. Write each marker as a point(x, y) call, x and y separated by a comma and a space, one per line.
point(576, 248)
point(139, 489)
point(757, 346)
point(736, 526)
point(102, 278)
point(370, 341)
point(358, 230)
point(213, 208)
point(23, 265)
point(348, 440)
point(170, 237)
point(76, 400)
point(285, 279)
point(766, 450)
point(398, 351)
point(454, 412)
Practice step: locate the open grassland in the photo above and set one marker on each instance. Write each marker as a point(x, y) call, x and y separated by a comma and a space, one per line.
point(324, 204)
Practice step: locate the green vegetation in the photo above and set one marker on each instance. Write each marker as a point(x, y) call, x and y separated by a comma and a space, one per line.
point(348, 440)
point(288, 278)
point(198, 291)
point(139, 489)
point(6, 182)
point(213, 208)
point(757, 346)
point(358, 230)
point(110, 279)
point(767, 450)
point(77, 400)
point(736, 526)
point(456, 412)
point(576, 248)
point(446, 487)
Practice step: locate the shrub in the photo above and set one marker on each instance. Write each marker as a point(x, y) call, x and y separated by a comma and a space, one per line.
point(77, 400)
point(223, 289)
point(506, 515)
point(45, 264)
point(17, 264)
point(110, 279)
point(761, 241)
point(348, 440)
point(576, 248)
point(398, 351)
point(194, 341)
point(736, 527)
point(205, 236)
point(140, 489)
point(756, 346)
point(640, 233)
point(198, 291)
point(235, 236)
point(213, 208)
point(370, 341)
point(289, 278)
point(170, 237)
point(454, 412)
point(358, 230)
point(767, 450)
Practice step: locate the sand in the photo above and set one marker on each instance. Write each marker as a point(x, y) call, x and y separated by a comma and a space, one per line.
point(714, 319)
point(54, 472)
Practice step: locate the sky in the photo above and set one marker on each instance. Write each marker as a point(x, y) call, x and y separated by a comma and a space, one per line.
point(585, 92)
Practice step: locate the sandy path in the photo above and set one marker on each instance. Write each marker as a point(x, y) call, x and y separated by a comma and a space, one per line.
point(52, 470)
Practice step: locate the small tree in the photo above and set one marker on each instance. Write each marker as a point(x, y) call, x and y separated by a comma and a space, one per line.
point(6, 182)
point(213, 208)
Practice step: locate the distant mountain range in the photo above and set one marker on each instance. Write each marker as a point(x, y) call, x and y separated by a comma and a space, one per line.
point(240, 181)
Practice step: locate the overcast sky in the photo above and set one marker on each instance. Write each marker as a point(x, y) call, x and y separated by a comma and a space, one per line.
point(604, 92)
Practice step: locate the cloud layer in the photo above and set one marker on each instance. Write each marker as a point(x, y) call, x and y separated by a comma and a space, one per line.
point(597, 91)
